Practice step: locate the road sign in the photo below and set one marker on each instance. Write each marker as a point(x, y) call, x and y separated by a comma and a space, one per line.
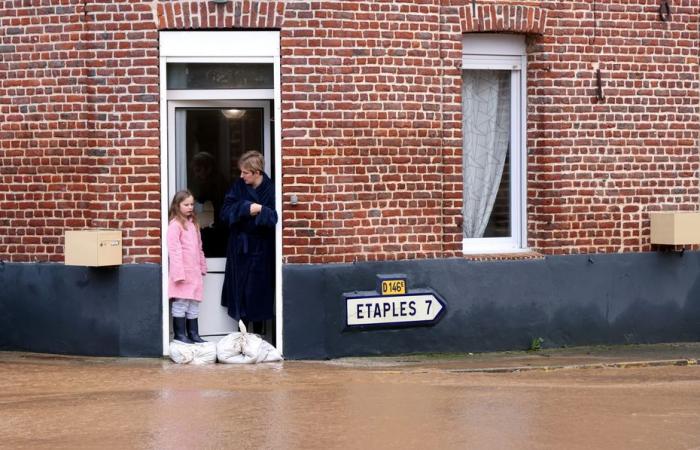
point(417, 308)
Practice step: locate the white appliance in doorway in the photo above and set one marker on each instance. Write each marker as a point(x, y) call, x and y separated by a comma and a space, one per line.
point(205, 140)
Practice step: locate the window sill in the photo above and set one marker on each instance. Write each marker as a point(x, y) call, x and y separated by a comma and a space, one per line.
point(510, 255)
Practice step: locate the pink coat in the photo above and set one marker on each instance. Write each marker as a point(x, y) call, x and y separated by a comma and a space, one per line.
point(187, 262)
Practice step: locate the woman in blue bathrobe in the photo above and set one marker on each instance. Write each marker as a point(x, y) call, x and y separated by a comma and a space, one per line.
point(249, 212)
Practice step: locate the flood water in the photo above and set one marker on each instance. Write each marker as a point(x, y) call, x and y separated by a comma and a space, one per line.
point(59, 402)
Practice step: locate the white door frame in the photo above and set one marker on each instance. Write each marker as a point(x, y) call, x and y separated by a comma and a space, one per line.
point(219, 47)
point(176, 104)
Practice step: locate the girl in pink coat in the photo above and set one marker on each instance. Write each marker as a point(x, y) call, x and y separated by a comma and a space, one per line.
point(187, 268)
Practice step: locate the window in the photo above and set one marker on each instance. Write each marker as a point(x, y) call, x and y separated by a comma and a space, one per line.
point(220, 76)
point(493, 131)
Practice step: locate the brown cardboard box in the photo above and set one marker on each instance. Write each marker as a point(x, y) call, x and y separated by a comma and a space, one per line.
point(93, 247)
point(675, 228)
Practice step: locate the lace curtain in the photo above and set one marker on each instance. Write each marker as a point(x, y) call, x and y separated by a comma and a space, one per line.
point(486, 134)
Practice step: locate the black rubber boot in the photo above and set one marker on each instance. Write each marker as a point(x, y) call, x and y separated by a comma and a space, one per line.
point(179, 333)
point(193, 330)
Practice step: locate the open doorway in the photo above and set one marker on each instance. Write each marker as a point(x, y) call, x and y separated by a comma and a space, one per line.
point(208, 137)
point(220, 94)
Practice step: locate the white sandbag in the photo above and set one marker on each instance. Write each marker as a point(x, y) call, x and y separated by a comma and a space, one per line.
point(250, 345)
point(229, 350)
point(271, 353)
point(245, 348)
point(206, 353)
point(203, 353)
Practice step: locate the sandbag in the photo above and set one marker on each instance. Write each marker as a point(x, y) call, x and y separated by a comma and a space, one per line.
point(203, 353)
point(245, 348)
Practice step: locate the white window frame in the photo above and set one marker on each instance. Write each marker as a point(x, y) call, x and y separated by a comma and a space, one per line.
point(179, 106)
point(220, 47)
point(485, 51)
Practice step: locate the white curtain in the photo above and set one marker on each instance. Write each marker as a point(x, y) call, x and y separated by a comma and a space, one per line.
point(486, 134)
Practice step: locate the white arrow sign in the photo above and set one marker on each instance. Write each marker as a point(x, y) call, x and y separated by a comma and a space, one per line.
point(392, 309)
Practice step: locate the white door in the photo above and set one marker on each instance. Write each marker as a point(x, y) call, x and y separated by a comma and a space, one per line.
point(205, 140)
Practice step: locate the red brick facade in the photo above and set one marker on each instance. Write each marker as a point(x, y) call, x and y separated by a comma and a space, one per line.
point(371, 121)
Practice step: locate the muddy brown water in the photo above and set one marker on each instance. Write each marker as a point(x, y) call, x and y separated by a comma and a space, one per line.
point(58, 402)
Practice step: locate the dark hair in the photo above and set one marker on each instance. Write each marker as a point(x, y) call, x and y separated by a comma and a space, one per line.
point(174, 211)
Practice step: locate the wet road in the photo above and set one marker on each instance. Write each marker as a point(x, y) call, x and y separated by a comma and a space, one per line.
point(57, 402)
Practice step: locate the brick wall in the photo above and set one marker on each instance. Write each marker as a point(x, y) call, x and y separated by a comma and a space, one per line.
point(78, 126)
point(363, 83)
point(371, 121)
point(596, 167)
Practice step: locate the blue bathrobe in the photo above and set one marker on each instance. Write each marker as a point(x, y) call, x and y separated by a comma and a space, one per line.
point(249, 281)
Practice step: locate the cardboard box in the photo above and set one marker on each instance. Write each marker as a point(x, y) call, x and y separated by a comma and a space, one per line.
point(675, 228)
point(93, 248)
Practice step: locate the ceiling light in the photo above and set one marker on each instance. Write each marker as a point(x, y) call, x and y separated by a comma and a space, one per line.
point(233, 113)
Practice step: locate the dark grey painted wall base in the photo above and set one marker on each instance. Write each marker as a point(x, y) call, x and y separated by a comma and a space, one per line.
point(499, 305)
point(106, 311)
point(502, 305)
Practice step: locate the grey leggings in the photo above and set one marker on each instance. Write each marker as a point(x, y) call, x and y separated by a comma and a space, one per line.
point(183, 307)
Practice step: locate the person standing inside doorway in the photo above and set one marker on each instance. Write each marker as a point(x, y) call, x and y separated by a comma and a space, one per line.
point(249, 212)
point(187, 268)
